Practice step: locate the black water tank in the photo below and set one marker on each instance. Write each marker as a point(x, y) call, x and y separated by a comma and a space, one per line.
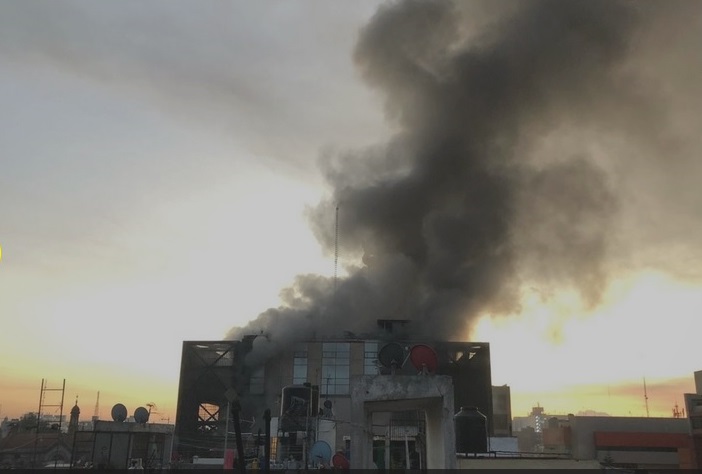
point(471, 431)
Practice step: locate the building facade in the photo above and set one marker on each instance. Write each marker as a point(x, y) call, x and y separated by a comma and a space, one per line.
point(341, 376)
point(632, 442)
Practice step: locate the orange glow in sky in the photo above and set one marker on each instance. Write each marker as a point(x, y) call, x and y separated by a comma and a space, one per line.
point(570, 358)
point(555, 354)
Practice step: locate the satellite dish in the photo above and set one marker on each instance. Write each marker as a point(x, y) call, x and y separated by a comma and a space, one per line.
point(119, 413)
point(423, 357)
point(141, 415)
point(392, 354)
point(321, 452)
point(339, 461)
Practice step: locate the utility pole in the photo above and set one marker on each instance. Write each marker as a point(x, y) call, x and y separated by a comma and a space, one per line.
point(267, 445)
point(226, 428)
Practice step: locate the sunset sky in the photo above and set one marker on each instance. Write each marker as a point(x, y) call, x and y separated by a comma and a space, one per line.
point(160, 163)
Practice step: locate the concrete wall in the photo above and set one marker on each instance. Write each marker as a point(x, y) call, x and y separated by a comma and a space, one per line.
point(522, 463)
point(342, 416)
point(642, 459)
point(432, 394)
point(116, 443)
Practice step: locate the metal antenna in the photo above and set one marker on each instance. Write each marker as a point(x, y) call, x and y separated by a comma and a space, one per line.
point(646, 397)
point(336, 245)
point(96, 412)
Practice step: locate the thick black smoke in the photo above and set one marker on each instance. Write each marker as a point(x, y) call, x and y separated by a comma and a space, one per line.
point(512, 120)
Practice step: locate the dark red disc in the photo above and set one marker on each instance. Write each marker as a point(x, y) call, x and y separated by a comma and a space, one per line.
point(422, 356)
point(339, 461)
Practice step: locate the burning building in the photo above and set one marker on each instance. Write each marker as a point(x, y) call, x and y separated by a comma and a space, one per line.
point(517, 128)
point(380, 395)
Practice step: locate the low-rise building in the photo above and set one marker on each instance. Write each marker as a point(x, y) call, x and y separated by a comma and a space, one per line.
point(382, 390)
point(631, 442)
point(693, 408)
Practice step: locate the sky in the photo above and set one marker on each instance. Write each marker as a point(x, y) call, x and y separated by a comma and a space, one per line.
point(169, 172)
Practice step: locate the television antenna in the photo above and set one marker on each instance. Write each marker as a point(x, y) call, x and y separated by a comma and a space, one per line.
point(96, 413)
point(336, 245)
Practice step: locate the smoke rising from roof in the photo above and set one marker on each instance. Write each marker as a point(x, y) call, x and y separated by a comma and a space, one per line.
point(523, 130)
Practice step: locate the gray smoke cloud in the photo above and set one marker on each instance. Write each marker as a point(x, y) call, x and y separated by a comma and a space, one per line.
point(523, 134)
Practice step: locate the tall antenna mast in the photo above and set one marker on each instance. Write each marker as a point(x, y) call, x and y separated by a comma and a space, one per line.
point(42, 406)
point(336, 244)
point(646, 397)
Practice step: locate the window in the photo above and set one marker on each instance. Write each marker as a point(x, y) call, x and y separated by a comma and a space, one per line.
point(370, 358)
point(207, 417)
point(274, 447)
point(335, 368)
point(256, 383)
point(300, 365)
point(208, 412)
point(224, 358)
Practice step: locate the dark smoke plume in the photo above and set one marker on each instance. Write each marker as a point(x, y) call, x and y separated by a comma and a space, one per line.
point(512, 120)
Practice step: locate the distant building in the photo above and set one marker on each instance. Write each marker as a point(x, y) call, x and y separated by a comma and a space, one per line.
point(117, 445)
point(632, 442)
point(501, 411)
point(6, 425)
point(29, 450)
point(535, 420)
point(591, 441)
point(618, 442)
point(105, 444)
point(530, 429)
point(625, 442)
point(556, 436)
point(528, 440)
point(693, 408)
